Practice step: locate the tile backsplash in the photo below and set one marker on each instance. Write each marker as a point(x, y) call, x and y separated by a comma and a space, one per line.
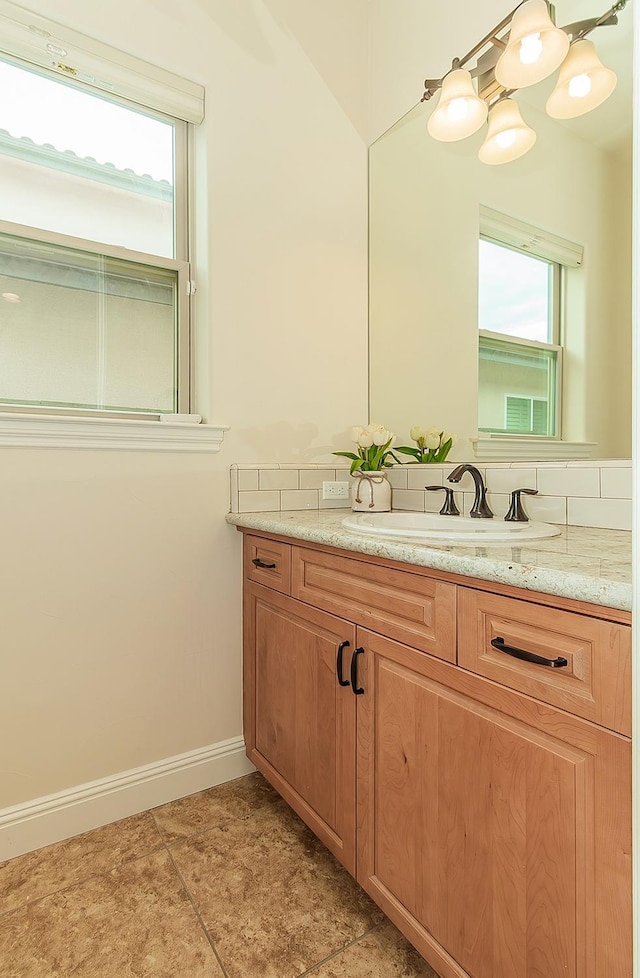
point(585, 493)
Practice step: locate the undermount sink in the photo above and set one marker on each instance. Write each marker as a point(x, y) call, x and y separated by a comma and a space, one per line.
point(431, 527)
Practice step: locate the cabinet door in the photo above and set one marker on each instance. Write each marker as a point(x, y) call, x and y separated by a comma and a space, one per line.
point(299, 721)
point(493, 830)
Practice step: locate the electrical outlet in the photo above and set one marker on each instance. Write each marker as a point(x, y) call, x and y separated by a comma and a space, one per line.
point(335, 490)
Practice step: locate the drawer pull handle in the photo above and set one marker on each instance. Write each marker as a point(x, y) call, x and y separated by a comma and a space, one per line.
point(261, 563)
point(341, 648)
point(357, 690)
point(499, 644)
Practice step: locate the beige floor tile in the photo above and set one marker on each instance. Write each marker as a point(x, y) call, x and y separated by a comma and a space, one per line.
point(382, 954)
point(197, 813)
point(274, 900)
point(55, 867)
point(135, 922)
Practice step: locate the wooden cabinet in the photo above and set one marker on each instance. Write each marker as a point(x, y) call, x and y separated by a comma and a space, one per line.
point(488, 825)
point(481, 799)
point(300, 723)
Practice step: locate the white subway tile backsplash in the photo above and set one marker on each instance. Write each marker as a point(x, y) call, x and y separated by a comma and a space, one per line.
point(569, 482)
point(603, 463)
point(258, 502)
point(397, 477)
point(498, 503)
point(555, 464)
point(233, 491)
point(299, 499)
point(593, 493)
point(546, 509)
point(247, 480)
point(508, 479)
point(411, 499)
point(427, 475)
point(313, 478)
point(616, 483)
point(278, 479)
point(333, 503)
point(613, 514)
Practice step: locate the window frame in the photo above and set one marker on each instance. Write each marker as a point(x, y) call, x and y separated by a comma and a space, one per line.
point(181, 263)
point(555, 290)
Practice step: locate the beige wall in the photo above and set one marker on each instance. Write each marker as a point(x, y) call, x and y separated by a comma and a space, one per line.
point(121, 615)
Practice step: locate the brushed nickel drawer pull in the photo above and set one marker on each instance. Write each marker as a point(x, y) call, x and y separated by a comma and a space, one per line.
point(499, 644)
point(261, 563)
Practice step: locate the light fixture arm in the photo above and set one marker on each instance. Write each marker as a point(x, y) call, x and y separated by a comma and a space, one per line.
point(581, 28)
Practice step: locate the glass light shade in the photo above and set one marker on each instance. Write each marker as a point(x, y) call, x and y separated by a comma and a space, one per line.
point(508, 137)
point(536, 47)
point(460, 111)
point(583, 84)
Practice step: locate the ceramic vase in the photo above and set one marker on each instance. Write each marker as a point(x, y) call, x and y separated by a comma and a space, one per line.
point(371, 493)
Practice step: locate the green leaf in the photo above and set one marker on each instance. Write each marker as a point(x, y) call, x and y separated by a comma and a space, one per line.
point(406, 450)
point(356, 464)
point(346, 454)
point(444, 450)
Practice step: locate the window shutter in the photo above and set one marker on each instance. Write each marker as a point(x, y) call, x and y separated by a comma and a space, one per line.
point(510, 231)
point(65, 52)
point(539, 414)
point(518, 414)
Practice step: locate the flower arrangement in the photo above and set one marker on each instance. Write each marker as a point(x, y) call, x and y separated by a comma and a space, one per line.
point(433, 445)
point(374, 449)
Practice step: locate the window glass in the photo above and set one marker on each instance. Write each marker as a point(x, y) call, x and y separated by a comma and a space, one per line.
point(517, 388)
point(85, 330)
point(76, 163)
point(515, 293)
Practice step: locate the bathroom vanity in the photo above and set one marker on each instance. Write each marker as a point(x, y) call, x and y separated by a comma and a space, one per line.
point(461, 743)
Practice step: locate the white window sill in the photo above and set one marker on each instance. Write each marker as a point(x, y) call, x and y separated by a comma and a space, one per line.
point(501, 449)
point(108, 434)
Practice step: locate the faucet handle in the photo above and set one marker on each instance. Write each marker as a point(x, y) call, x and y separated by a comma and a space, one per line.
point(449, 507)
point(516, 513)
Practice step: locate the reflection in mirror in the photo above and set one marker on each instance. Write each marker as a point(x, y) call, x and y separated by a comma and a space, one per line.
point(435, 209)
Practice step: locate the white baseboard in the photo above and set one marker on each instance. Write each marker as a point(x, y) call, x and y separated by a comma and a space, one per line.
point(49, 819)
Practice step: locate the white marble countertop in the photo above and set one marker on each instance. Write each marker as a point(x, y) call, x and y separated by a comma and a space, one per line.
point(583, 563)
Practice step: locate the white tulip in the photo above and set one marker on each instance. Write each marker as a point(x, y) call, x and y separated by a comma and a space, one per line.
point(417, 432)
point(432, 441)
point(356, 431)
point(381, 436)
point(365, 440)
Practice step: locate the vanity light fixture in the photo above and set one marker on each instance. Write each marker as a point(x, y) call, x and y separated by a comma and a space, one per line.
point(583, 83)
point(508, 136)
point(523, 49)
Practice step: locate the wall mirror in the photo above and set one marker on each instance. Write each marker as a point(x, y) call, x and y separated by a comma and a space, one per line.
point(427, 201)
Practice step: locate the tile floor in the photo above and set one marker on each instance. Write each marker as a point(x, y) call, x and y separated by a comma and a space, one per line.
point(228, 883)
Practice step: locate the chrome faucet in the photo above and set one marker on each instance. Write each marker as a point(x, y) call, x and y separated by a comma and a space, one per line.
point(480, 506)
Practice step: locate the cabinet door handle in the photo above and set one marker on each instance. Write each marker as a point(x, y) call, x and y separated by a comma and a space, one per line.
point(499, 644)
point(261, 563)
point(341, 648)
point(357, 690)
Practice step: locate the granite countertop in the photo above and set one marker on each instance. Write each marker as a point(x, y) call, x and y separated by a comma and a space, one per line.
point(584, 563)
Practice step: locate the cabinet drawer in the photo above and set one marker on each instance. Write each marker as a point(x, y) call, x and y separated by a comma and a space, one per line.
point(268, 562)
point(407, 607)
point(595, 683)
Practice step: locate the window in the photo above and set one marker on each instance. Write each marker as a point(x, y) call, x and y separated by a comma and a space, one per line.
point(522, 273)
point(94, 274)
point(518, 318)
